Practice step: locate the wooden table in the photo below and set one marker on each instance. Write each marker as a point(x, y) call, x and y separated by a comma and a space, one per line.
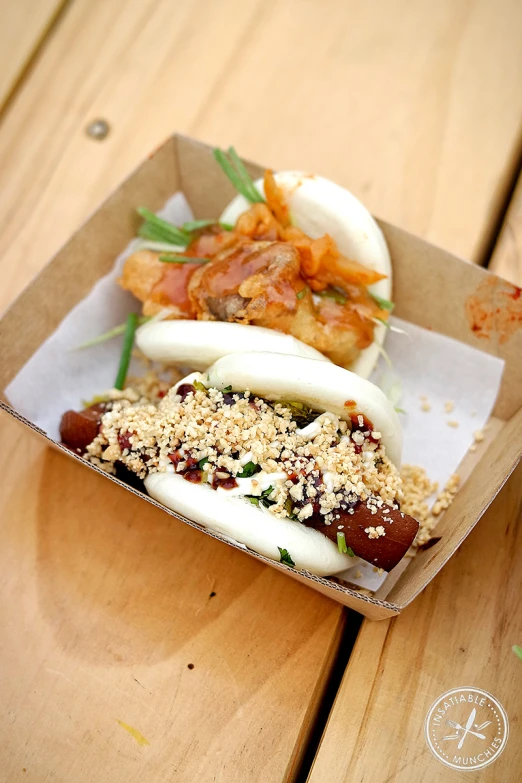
point(120, 660)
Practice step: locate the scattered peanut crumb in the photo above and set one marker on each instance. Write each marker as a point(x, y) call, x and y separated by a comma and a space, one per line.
point(417, 488)
point(452, 423)
point(449, 406)
point(478, 436)
point(358, 574)
point(473, 447)
point(426, 407)
point(375, 532)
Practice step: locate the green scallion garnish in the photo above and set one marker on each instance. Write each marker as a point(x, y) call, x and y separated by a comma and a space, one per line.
point(236, 172)
point(517, 649)
point(333, 293)
point(285, 557)
point(128, 342)
point(199, 386)
point(196, 225)
point(302, 293)
point(248, 470)
point(174, 259)
point(227, 389)
point(159, 230)
point(384, 304)
point(114, 332)
point(202, 462)
point(341, 544)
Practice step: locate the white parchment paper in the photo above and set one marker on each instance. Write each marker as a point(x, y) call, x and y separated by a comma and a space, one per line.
point(432, 369)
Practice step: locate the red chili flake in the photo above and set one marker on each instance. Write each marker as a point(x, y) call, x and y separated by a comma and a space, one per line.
point(161, 394)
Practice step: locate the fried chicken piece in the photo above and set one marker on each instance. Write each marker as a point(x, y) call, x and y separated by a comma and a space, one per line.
point(258, 283)
point(158, 285)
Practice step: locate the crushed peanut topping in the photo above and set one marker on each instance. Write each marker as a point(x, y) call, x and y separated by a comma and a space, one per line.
point(449, 406)
point(452, 423)
point(375, 532)
point(226, 432)
point(478, 436)
point(417, 488)
point(425, 406)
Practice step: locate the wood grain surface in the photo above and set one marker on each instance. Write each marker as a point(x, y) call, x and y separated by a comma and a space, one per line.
point(506, 259)
point(395, 100)
point(102, 607)
point(459, 632)
point(24, 25)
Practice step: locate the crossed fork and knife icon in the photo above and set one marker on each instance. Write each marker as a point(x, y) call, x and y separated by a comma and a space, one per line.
point(466, 729)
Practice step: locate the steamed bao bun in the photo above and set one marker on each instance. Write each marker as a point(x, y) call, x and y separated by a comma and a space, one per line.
point(320, 385)
point(319, 206)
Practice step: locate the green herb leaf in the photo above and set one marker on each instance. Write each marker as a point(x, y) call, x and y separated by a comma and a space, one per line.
point(384, 304)
point(235, 170)
point(302, 293)
point(159, 230)
point(285, 557)
point(227, 389)
point(202, 463)
point(267, 492)
point(341, 544)
point(253, 499)
point(301, 414)
point(400, 410)
point(108, 335)
point(128, 342)
point(517, 649)
point(248, 470)
point(199, 386)
point(175, 259)
point(333, 293)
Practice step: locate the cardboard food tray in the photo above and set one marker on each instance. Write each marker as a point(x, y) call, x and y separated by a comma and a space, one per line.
point(432, 288)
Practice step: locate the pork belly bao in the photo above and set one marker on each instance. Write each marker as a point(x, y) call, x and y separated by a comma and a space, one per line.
point(295, 458)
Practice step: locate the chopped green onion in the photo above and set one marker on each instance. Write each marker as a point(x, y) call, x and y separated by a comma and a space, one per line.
point(285, 557)
point(227, 389)
point(333, 293)
point(248, 470)
point(159, 230)
point(341, 544)
point(199, 386)
point(183, 260)
point(196, 225)
point(158, 247)
point(267, 492)
point(108, 335)
point(252, 499)
point(517, 649)
point(128, 342)
point(202, 462)
point(302, 293)
point(400, 410)
point(238, 175)
point(384, 304)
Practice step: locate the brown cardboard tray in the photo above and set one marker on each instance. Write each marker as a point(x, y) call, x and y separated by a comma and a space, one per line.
point(432, 288)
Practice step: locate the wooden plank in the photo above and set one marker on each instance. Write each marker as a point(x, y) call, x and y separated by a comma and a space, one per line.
point(459, 632)
point(506, 259)
point(24, 26)
point(96, 592)
point(397, 101)
point(106, 606)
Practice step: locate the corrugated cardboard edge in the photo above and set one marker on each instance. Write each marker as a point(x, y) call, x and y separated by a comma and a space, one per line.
point(173, 166)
